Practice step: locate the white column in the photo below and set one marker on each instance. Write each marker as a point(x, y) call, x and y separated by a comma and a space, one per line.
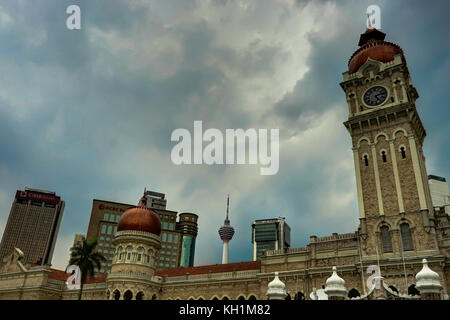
point(225, 252)
point(377, 179)
point(417, 174)
point(358, 183)
point(396, 176)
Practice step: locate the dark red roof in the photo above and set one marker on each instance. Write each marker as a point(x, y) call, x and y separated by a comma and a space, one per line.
point(215, 268)
point(56, 274)
point(373, 46)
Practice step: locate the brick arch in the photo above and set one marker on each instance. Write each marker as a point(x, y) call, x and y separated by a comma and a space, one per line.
point(383, 223)
point(381, 134)
point(358, 144)
point(398, 130)
point(399, 221)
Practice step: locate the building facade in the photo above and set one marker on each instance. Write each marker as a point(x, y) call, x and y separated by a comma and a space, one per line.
point(33, 225)
point(398, 226)
point(270, 234)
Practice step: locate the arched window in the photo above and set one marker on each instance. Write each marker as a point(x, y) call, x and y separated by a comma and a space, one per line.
point(128, 295)
point(116, 294)
point(241, 298)
point(403, 152)
point(407, 241)
point(252, 297)
point(200, 298)
point(107, 294)
point(383, 156)
point(353, 293)
point(225, 298)
point(140, 252)
point(140, 296)
point(386, 242)
point(120, 250)
point(215, 298)
point(366, 160)
point(129, 249)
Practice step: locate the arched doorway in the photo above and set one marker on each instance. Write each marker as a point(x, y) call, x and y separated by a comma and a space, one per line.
point(140, 296)
point(225, 298)
point(299, 296)
point(241, 298)
point(393, 289)
point(128, 295)
point(252, 297)
point(353, 293)
point(412, 290)
point(116, 294)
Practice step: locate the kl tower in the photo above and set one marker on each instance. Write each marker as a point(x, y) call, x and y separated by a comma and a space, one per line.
point(226, 233)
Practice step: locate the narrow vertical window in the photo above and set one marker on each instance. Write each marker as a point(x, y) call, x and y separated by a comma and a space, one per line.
point(386, 242)
point(407, 241)
point(366, 160)
point(403, 152)
point(139, 254)
point(383, 155)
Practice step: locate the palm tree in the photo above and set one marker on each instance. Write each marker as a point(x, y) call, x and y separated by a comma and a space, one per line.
point(86, 259)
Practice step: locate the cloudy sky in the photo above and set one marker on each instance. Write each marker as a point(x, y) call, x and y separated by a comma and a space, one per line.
point(89, 113)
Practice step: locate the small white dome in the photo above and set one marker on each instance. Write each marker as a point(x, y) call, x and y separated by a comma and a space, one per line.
point(335, 286)
point(428, 281)
point(276, 289)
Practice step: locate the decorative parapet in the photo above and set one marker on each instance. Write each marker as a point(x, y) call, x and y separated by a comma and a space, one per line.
point(270, 253)
point(334, 237)
point(133, 275)
point(213, 276)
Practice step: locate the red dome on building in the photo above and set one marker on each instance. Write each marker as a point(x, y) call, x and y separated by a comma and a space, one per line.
point(373, 46)
point(140, 218)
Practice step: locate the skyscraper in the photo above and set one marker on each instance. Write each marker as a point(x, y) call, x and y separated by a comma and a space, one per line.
point(226, 233)
point(33, 225)
point(270, 234)
point(439, 192)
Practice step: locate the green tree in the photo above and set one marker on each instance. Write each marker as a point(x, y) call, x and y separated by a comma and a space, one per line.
point(86, 259)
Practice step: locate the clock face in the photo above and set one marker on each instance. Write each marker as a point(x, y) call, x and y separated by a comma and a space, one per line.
point(375, 96)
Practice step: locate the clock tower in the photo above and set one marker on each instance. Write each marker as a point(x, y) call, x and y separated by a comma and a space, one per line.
point(395, 210)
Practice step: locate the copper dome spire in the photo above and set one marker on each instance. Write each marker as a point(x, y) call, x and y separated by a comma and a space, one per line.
point(140, 218)
point(373, 46)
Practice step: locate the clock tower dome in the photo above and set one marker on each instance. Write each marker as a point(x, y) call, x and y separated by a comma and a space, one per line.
point(395, 210)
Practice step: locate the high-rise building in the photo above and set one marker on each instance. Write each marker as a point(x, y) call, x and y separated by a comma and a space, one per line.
point(33, 225)
point(78, 239)
point(155, 200)
point(177, 238)
point(440, 196)
point(270, 234)
point(226, 233)
point(188, 228)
